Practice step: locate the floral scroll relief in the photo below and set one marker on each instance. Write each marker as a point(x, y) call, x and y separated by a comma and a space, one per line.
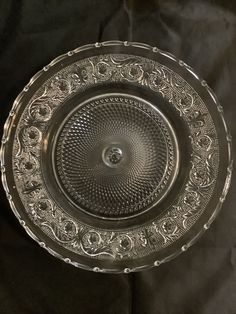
point(95, 242)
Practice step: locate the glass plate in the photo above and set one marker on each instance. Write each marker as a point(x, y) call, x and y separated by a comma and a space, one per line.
point(116, 157)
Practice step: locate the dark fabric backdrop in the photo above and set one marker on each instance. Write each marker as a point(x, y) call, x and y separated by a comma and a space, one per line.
point(203, 34)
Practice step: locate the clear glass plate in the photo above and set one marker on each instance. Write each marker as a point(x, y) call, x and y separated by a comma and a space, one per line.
point(116, 157)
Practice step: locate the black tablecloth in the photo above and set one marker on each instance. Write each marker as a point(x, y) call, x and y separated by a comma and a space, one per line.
point(203, 34)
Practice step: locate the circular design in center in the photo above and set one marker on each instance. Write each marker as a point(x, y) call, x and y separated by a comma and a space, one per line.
point(112, 156)
point(115, 156)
